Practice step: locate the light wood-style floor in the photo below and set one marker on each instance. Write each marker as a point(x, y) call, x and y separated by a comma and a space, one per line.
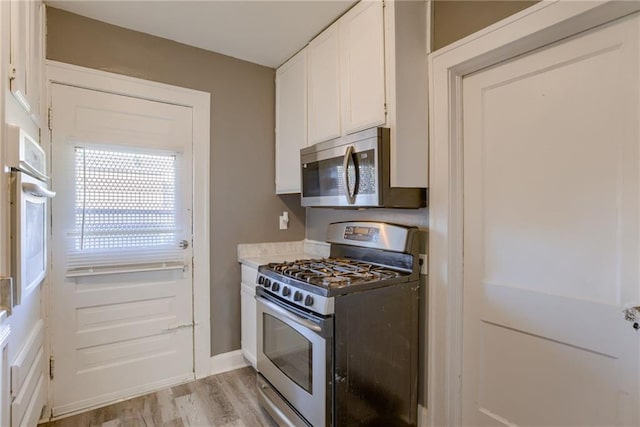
point(225, 400)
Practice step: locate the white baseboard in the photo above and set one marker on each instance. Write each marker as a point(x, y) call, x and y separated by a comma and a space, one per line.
point(228, 362)
point(422, 416)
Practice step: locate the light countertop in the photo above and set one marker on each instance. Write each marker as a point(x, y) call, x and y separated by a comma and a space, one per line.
point(257, 254)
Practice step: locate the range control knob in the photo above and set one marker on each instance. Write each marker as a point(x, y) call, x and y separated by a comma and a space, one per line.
point(286, 291)
point(275, 286)
point(261, 280)
point(267, 282)
point(297, 296)
point(308, 300)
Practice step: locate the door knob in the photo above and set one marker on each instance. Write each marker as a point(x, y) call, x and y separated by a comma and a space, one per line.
point(183, 244)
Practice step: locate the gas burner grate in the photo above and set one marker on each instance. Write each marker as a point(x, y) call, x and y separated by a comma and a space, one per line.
point(333, 272)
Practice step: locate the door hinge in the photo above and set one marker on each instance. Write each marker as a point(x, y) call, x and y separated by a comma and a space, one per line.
point(52, 365)
point(385, 109)
point(50, 118)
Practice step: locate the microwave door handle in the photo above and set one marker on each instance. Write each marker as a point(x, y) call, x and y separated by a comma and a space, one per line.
point(351, 196)
point(37, 190)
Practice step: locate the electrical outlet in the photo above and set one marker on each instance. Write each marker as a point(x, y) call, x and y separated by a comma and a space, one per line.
point(424, 265)
point(284, 220)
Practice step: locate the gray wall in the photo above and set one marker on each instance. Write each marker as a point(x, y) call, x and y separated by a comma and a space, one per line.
point(455, 19)
point(244, 207)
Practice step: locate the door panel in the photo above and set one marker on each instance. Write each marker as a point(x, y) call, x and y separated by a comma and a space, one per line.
point(551, 231)
point(119, 330)
point(362, 65)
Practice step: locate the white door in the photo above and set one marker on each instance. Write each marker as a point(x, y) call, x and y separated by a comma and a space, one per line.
point(551, 234)
point(121, 303)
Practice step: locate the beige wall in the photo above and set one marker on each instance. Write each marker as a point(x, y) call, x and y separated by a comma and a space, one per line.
point(455, 19)
point(244, 207)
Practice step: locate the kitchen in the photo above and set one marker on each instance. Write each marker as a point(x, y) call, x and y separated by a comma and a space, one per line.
point(242, 121)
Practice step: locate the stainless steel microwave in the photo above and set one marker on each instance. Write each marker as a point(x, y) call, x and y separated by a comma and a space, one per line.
point(353, 171)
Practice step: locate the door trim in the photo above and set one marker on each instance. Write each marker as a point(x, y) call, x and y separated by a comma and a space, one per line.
point(537, 26)
point(72, 75)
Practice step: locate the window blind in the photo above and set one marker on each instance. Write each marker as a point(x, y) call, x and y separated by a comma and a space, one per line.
point(125, 212)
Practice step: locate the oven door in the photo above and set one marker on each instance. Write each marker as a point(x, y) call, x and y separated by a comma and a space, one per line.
point(295, 356)
point(29, 233)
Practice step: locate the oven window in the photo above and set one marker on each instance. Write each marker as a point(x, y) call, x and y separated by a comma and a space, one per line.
point(34, 240)
point(289, 350)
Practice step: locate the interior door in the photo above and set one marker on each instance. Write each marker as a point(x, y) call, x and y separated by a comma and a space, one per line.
point(121, 288)
point(551, 234)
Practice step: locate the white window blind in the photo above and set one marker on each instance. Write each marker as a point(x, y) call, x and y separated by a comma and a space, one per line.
point(125, 212)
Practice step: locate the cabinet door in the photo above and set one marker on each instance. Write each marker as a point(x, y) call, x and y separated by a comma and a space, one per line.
point(324, 86)
point(248, 337)
point(362, 67)
point(26, 53)
point(5, 384)
point(291, 122)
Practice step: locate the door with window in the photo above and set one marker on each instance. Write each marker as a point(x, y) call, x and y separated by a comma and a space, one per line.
point(121, 276)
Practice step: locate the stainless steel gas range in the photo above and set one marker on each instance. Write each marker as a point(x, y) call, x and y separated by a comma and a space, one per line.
point(338, 337)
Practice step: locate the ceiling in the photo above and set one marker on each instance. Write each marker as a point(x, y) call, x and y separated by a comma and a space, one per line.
point(265, 32)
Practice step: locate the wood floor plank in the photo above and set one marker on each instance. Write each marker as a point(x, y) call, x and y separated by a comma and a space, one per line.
point(243, 398)
point(223, 400)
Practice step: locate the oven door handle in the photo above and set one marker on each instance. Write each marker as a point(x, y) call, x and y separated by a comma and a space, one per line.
point(37, 190)
point(291, 316)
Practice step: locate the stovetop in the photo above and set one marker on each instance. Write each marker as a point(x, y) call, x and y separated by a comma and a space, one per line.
point(313, 284)
point(364, 255)
point(334, 272)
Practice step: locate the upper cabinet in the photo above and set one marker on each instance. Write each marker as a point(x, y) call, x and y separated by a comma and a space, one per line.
point(368, 69)
point(26, 54)
point(291, 121)
point(346, 74)
point(324, 86)
point(362, 67)
point(407, 24)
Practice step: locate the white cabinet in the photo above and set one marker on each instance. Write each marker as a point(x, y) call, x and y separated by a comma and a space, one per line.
point(324, 86)
point(406, 48)
point(28, 381)
point(248, 337)
point(291, 121)
point(5, 384)
point(367, 69)
point(362, 67)
point(347, 74)
point(27, 53)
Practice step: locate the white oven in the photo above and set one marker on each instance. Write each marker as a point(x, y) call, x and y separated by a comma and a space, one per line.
point(29, 202)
